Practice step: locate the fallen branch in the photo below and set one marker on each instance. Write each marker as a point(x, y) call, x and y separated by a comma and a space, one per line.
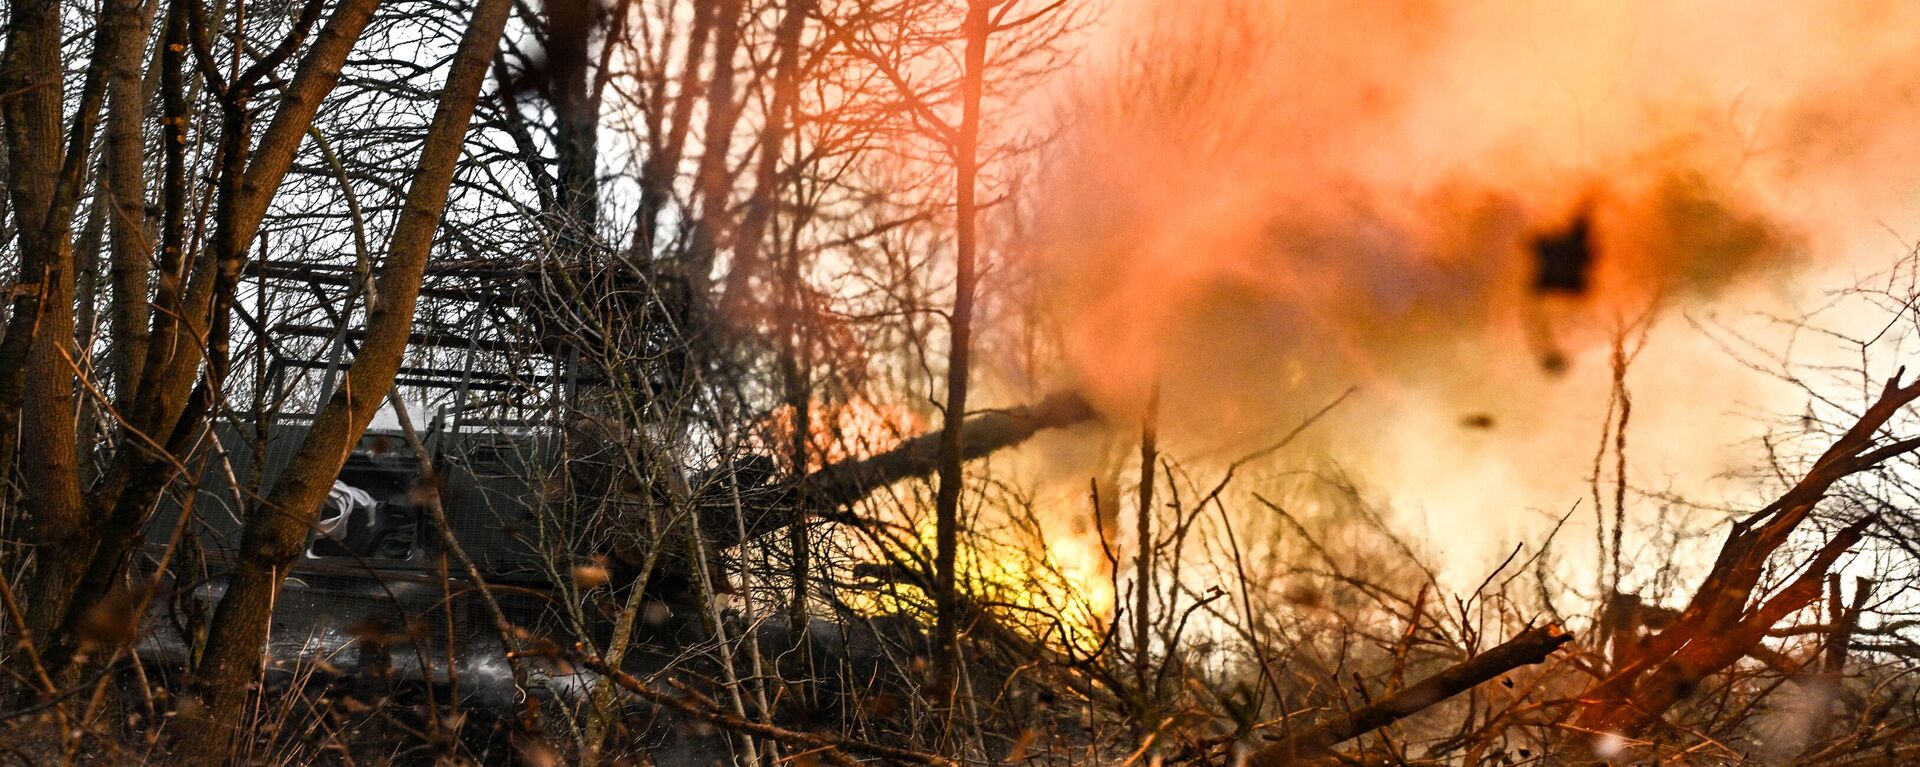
point(1710, 649)
point(1723, 622)
point(1315, 744)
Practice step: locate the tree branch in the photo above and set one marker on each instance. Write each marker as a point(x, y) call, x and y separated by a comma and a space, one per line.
point(1316, 743)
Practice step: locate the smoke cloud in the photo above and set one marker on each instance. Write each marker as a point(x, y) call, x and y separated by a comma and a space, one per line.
point(1259, 203)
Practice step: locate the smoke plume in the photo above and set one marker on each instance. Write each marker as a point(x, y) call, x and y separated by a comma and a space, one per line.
point(1258, 203)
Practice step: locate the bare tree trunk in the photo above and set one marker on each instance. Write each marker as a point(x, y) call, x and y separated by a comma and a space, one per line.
point(46, 198)
point(168, 408)
point(169, 323)
point(87, 247)
point(31, 75)
point(767, 182)
point(959, 356)
point(563, 79)
point(796, 381)
point(1143, 566)
point(657, 172)
point(792, 324)
point(276, 530)
point(711, 181)
point(126, 194)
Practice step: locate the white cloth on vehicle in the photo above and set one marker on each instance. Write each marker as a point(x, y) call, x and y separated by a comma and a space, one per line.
point(336, 515)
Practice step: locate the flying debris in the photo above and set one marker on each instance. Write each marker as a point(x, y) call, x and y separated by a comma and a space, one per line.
point(1563, 267)
point(1564, 258)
